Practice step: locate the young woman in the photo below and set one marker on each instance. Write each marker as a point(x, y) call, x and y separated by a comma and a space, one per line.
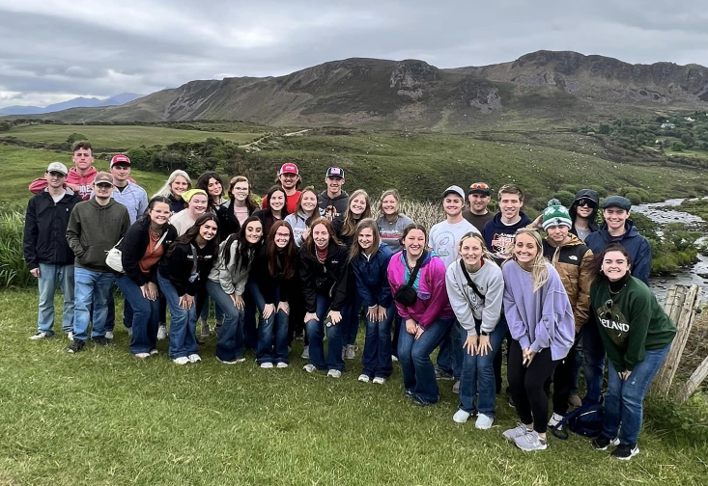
point(358, 208)
point(176, 185)
point(238, 208)
point(324, 273)
point(392, 222)
point(417, 279)
point(227, 284)
point(182, 275)
point(273, 272)
point(276, 210)
point(143, 247)
point(307, 211)
point(542, 328)
point(369, 260)
point(637, 335)
point(211, 183)
point(583, 213)
point(197, 203)
point(475, 287)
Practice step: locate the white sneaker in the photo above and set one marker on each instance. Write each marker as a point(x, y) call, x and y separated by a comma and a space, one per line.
point(555, 419)
point(226, 362)
point(363, 378)
point(461, 416)
point(153, 352)
point(267, 365)
point(109, 334)
point(531, 442)
point(142, 355)
point(161, 332)
point(379, 380)
point(194, 358)
point(240, 360)
point(334, 374)
point(394, 358)
point(181, 360)
point(518, 431)
point(281, 364)
point(309, 367)
point(39, 335)
point(70, 335)
point(305, 352)
point(483, 422)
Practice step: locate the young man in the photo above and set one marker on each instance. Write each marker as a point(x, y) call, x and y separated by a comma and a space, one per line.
point(80, 177)
point(574, 263)
point(95, 226)
point(499, 235)
point(443, 239)
point(47, 253)
point(583, 213)
point(478, 195)
point(617, 228)
point(289, 179)
point(333, 201)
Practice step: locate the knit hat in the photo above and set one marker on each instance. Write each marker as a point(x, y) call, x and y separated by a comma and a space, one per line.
point(556, 215)
point(187, 195)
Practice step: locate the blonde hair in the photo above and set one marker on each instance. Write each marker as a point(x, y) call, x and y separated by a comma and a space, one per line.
point(166, 189)
point(539, 268)
point(349, 224)
point(485, 251)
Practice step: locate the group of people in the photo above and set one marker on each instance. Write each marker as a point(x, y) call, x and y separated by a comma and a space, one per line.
point(314, 263)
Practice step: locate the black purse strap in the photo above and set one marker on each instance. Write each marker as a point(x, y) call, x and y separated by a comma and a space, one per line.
point(414, 273)
point(470, 282)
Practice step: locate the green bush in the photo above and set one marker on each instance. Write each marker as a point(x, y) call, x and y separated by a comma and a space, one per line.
point(678, 146)
point(75, 137)
point(634, 197)
point(565, 197)
point(13, 269)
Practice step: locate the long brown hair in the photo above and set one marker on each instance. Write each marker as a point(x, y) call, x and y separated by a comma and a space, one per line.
point(315, 212)
point(245, 248)
point(356, 249)
point(203, 183)
point(289, 253)
point(310, 243)
point(192, 233)
point(598, 272)
point(349, 223)
point(250, 204)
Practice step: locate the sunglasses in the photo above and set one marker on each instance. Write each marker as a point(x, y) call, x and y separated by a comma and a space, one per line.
point(480, 185)
point(586, 202)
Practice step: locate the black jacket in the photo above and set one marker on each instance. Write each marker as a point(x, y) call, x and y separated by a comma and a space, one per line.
point(266, 283)
point(228, 222)
point(330, 279)
point(177, 267)
point(573, 210)
point(45, 229)
point(135, 243)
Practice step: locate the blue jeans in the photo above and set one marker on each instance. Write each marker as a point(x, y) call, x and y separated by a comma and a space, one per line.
point(146, 316)
point(450, 354)
point(478, 375)
point(250, 332)
point(91, 286)
point(51, 277)
point(376, 359)
point(230, 343)
point(272, 332)
point(350, 319)
point(218, 312)
point(625, 399)
point(577, 364)
point(315, 333)
point(183, 340)
point(414, 356)
point(111, 318)
point(593, 361)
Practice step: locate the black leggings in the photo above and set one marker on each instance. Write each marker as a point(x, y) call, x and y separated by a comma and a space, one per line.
point(527, 388)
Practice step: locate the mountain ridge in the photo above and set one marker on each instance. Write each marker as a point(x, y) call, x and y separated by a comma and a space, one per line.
point(78, 102)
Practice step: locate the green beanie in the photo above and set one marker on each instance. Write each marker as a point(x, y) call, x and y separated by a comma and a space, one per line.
point(556, 215)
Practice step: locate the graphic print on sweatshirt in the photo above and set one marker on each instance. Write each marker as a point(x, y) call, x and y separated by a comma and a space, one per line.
point(615, 323)
point(501, 242)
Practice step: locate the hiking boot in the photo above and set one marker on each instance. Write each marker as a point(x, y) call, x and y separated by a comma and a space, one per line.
point(40, 335)
point(76, 346)
point(531, 442)
point(162, 332)
point(601, 443)
point(461, 416)
point(518, 431)
point(625, 452)
point(484, 422)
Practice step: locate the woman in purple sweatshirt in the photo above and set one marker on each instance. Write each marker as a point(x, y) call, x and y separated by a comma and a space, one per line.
point(425, 310)
point(542, 328)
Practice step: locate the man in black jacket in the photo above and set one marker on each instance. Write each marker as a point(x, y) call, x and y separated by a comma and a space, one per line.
point(47, 253)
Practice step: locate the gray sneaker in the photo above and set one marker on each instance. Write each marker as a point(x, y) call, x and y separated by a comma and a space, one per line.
point(349, 352)
point(305, 352)
point(205, 330)
point(531, 442)
point(518, 431)
point(162, 332)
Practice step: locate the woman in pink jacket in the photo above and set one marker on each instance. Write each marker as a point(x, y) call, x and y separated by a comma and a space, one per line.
point(417, 279)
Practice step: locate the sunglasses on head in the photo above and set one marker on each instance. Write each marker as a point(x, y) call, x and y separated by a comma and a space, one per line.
point(586, 202)
point(480, 185)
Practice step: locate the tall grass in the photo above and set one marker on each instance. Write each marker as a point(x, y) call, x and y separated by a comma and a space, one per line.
point(13, 269)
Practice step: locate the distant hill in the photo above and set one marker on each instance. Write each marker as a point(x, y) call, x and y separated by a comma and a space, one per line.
point(72, 103)
point(547, 87)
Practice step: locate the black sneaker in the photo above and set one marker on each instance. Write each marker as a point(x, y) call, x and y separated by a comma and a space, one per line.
point(601, 443)
point(101, 341)
point(625, 452)
point(76, 346)
point(443, 375)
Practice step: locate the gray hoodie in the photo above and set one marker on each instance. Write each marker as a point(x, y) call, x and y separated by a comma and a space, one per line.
point(233, 276)
point(467, 304)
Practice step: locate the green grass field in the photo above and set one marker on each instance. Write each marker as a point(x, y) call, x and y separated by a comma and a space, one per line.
point(122, 137)
point(104, 417)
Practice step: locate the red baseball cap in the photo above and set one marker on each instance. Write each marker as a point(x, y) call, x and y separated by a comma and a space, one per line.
point(289, 168)
point(119, 159)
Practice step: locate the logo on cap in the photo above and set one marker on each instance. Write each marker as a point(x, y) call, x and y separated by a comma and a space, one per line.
point(335, 172)
point(289, 168)
point(119, 159)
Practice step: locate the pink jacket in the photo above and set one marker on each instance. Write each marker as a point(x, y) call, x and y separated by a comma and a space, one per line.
point(432, 302)
point(73, 177)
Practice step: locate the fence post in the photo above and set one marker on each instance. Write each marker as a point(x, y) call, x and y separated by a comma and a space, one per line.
point(693, 382)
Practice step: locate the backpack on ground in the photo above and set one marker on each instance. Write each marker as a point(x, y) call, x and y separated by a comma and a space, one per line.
point(586, 421)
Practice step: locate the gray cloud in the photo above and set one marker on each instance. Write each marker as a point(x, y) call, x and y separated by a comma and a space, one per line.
point(65, 49)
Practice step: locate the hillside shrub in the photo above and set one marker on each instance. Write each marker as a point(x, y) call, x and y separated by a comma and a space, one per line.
point(678, 146)
point(75, 137)
point(13, 269)
point(634, 197)
point(565, 197)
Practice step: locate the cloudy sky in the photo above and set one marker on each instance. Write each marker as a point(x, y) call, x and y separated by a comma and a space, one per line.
point(54, 50)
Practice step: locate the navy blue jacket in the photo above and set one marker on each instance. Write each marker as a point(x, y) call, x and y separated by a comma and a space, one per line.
point(372, 277)
point(498, 236)
point(636, 245)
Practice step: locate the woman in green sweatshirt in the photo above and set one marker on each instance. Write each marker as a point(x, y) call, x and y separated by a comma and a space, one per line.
point(637, 335)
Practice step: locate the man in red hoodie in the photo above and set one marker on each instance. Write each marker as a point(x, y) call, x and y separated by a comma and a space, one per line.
point(80, 176)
